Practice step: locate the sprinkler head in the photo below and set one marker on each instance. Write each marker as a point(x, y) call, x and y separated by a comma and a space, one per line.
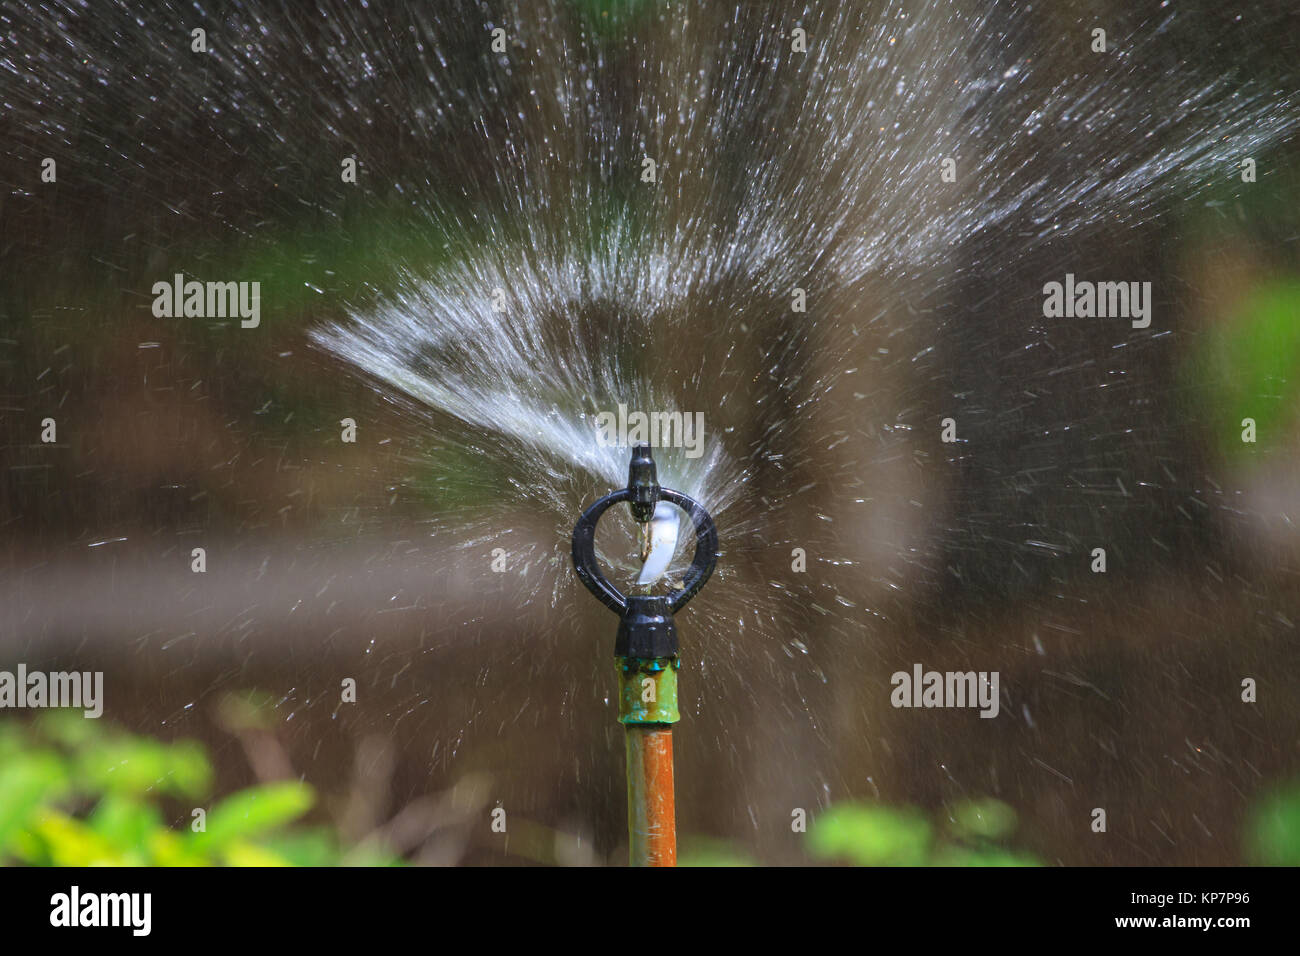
point(643, 484)
point(646, 629)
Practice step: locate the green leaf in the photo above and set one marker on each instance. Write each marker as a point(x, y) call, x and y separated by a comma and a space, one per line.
point(307, 847)
point(26, 784)
point(169, 848)
point(243, 853)
point(72, 843)
point(871, 835)
point(125, 821)
point(12, 740)
point(68, 728)
point(960, 856)
point(254, 812)
point(189, 772)
point(986, 819)
point(137, 766)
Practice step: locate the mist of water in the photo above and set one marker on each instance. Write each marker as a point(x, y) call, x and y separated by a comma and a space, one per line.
point(776, 170)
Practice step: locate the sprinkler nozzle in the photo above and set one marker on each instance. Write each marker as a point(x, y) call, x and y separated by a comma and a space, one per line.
point(646, 628)
point(642, 484)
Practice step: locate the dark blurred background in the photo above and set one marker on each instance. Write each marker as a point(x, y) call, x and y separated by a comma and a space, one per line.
point(1120, 691)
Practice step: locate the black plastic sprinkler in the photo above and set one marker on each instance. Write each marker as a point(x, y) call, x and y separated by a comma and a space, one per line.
point(646, 652)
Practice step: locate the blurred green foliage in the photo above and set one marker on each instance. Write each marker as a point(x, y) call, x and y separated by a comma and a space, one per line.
point(609, 17)
point(318, 266)
point(1273, 830)
point(75, 792)
point(867, 835)
point(1251, 363)
point(702, 851)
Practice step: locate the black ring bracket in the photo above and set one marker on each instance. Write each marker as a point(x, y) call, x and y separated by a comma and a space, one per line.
point(646, 628)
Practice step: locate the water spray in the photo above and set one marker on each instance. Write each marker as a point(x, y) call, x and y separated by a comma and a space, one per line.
point(646, 646)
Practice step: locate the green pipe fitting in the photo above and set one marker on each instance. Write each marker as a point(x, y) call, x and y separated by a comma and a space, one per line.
point(647, 690)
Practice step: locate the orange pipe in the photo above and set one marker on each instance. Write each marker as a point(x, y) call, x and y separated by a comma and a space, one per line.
point(651, 809)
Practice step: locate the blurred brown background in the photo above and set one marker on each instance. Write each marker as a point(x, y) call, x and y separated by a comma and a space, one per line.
point(327, 561)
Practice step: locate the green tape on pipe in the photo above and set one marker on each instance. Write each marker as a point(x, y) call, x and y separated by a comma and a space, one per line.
point(647, 690)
